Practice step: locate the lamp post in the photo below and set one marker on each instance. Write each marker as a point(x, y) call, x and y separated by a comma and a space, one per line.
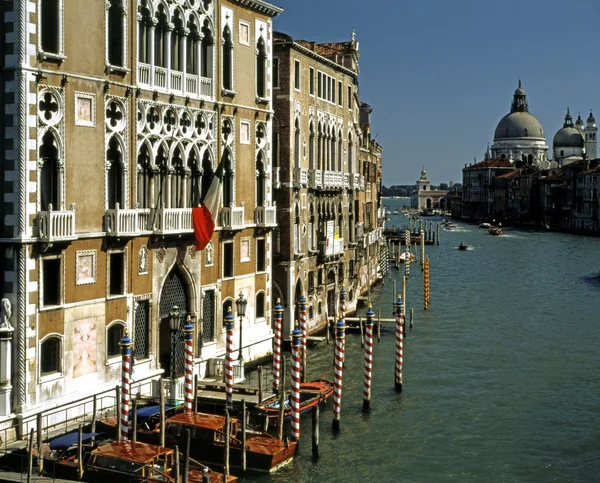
point(240, 305)
point(174, 323)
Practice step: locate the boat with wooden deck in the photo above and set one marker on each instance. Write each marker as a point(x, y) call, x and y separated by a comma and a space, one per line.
point(148, 422)
point(495, 231)
point(128, 461)
point(311, 394)
point(208, 434)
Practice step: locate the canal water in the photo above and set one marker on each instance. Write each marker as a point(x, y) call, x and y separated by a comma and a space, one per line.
point(501, 378)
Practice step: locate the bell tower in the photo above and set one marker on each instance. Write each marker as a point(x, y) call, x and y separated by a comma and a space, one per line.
point(591, 137)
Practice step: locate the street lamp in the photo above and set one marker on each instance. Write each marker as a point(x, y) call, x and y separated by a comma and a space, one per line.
point(174, 324)
point(240, 305)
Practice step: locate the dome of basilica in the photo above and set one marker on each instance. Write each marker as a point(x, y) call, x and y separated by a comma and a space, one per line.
point(520, 124)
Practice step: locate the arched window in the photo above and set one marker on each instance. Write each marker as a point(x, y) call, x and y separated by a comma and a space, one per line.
point(207, 173)
point(260, 305)
point(227, 59)
point(311, 146)
point(206, 54)
point(115, 32)
point(161, 178)
point(297, 230)
point(227, 180)
point(193, 48)
point(193, 171)
point(297, 144)
point(160, 38)
point(114, 184)
point(51, 355)
point(49, 176)
point(260, 180)
point(261, 68)
point(311, 282)
point(144, 175)
point(320, 147)
point(333, 157)
point(350, 154)
point(114, 334)
point(339, 155)
point(178, 41)
point(177, 179)
point(227, 306)
point(144, 22)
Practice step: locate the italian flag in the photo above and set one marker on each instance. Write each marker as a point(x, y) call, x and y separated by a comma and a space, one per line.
point(205, 216)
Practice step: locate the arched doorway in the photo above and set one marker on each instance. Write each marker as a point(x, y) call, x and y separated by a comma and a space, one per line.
point(174, 292)
point(298, 294)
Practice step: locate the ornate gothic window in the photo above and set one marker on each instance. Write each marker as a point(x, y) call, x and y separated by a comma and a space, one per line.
point(144, 177)
point(207, 173)
point(227, 59)
point(228, 189)
point(311, 146)
point(261, 177)
point(49, 173)
point(297, 144)
point(114, 174)
point(261, 68)
point(207, 47)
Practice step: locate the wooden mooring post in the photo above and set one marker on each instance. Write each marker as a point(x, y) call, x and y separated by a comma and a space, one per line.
point(40, 440)
point(315, 431)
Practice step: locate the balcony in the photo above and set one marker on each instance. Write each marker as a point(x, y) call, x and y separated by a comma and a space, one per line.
point(300, 177)
point(333, 180)
point(315, 178)
point(173, 221)
point(355, 181)
point(265, 216)
point(232, 218)
point(187, 84)
point(54, 226)
point(124, 223)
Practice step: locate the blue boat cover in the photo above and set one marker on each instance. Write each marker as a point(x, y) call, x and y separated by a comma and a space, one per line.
point(67, 440)
point(147, 412)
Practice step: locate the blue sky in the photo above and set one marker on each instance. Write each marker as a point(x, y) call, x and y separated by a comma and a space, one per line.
point(440, 74)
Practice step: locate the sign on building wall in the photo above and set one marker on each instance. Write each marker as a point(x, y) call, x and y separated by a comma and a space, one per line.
point(338, 241)
point(329, 246)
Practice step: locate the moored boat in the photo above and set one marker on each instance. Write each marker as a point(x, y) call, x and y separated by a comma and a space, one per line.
point(128, 461)
point(208, 432)
point(311, 394)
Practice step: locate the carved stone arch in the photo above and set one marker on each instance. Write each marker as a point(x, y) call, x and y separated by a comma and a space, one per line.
point(195, 148)
point(159, 142)
point(57, 139)
point(174, 145)
point(122, 146)
point(204, 150)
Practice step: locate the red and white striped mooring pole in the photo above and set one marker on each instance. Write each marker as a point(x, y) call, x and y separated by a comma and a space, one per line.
point(343, 315)
point(188, 337)
point(277, 346)
point(338, 371)
point(295, 394)
point(399, 335)
point(368, 358)
point(125, 385)
point(229, 361)
point(303, 332)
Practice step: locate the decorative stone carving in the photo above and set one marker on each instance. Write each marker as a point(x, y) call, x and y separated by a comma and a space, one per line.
point(5, 313)
point(143, 260)
point(209, 255)
point(161, 253)
point(192, 251)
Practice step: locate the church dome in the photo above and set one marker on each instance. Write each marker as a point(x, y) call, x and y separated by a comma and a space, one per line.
point(591, 118)
point(519, 124)
point(568, 137)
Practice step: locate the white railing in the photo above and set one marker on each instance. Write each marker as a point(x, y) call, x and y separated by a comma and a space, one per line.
point(191, 83)
point(346, 180)
point(56, 225)
point(176, 81)
point(300, 177)
point(206, 89)
point(232, 218)
point(120, 222)
point(265, 216)
point(160, 77)
point(144, 74)
point(333, 179)
point(173, 220)
point(355, 181)
point(362, 183)
point(315, 178)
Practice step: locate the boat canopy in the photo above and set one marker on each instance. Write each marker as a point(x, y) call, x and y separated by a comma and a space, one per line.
point(67, 440)
point(148, 412)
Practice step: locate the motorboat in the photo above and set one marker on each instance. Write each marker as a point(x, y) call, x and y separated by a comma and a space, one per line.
point(462, 246)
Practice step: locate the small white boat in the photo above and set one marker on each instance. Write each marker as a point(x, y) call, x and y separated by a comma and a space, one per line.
point(402, 257)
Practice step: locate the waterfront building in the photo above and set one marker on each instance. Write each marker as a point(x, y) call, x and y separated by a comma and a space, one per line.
point(107, 145)
point(519, 136)
point(316, 139)
point(427, 199)
point(479, 185)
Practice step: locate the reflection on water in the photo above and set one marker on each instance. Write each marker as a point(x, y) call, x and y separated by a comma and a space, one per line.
point(500, 376)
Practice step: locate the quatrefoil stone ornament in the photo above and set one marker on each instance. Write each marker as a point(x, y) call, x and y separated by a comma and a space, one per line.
point(50, 108)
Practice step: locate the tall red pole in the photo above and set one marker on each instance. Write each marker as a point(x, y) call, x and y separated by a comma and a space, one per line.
point(125, 385)
point(229, 361)
point(303, 332)
point(188, 336)
point(277, 346)
point(295, 394)
point(368, 358)
point(338, 374)
point(399, 335)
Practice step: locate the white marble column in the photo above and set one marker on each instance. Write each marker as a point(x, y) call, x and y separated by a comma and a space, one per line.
point(6, 334)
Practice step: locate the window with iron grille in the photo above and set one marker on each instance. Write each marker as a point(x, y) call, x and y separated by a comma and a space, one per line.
point(208, 316)
point(174, 293)
point(140, 330)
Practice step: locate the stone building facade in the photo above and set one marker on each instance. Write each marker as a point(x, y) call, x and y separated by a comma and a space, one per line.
point(318, 181)
point(108, 143)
